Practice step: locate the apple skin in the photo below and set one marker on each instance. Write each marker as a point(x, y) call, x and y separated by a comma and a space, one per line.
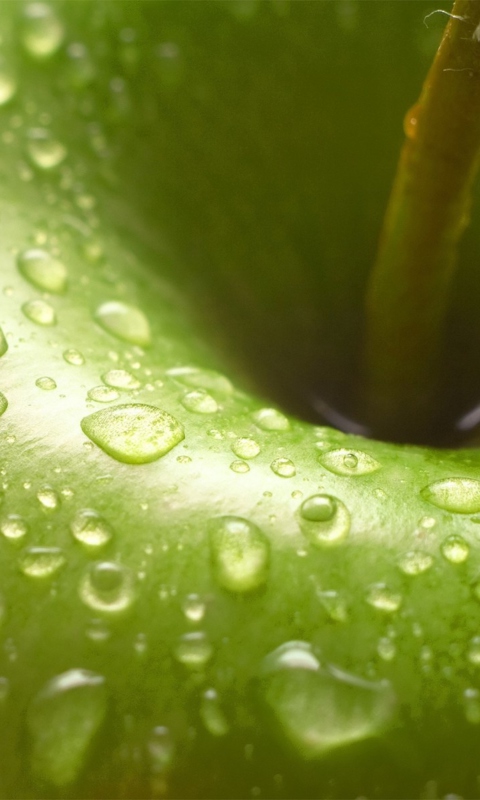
point(415, 633)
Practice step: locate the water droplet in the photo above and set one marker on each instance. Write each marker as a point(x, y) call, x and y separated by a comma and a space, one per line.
point(427, 522)
point(4, 689)
point(206, 379)
point(245, 448)
point(381, 597)
point(62, 721)
point(471, 699)
point(125, 322)
point(97, 631)
point(133, 433)
point(269, 419)
point(324, 520)
point(200, 402)
point(90, 528)
point(283, 467)
point(3, 343)
point(48, 498)
point(102, 394)
point(8, 87)
point(74, 357)
point(121, 379)
point(44, 151)
point(160, 749)
point(414, 562)
point(240, 554)
point(334, 604)
point(348, 462)
point(40, 312)
point(212, 714)
point(194, 608)
point(42, 33)
point(107, 587)
point(386, 649)
point(194, 650)
point(473, 653)
point(455, 549)
point(13, 526)
point(41, 562)
point(457, 495)
point(46, 383)
point(240, 467)
point(410, 121)
point(295, 687)
point(3, 404)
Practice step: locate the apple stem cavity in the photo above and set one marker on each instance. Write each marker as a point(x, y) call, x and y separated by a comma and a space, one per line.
point(429, 208)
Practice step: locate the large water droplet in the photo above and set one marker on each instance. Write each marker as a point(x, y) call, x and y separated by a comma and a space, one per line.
point(125, 322)
point(74, 357)
point(3, 404)
point(3, 343)
point(43, 270)
point(41, 562)
point(200, 402)
point(206, 379)
point(133, 433)
point(42, 32)
point(194, 650)
point(107, 587)
point(46, 383)
point(414, 562)
point(90, 528)
point(102, 394)
point(384, 599)
point(455, 549)
point(212, 714)
point(283, 467)
point(345, 462)
point(8, 86)
point(324, 520)
point(13, 526)
point(121, 379)
point(40, 312)
point(62, 721)
point(320, 710)
point(240, 554)
point(245, 448)
point(458, 495)
point(44, 151)
point(269, 419)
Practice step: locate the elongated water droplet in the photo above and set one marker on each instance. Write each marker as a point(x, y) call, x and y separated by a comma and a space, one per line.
point(3, 343)
point(455, 549)
point(384, 599)
point(324, 520)
point(3, 404)
point(194, 650)
point(240, 554)
point(48, 498)
point(8, 87)
point(74, 357)
point(44, 151)
point(206, 379)
point(245, 448)
point(320, 710)
point(40, 312)
point(200, 402)
point(269, 419)
point(121, 379)
point(283, 467)
point(107, 587)
point(62, 721)
point(42, 33)
point(90, 528)
point(345, 462)
point(45, 383)
point(41, 562)
point(13, 526)
point(102, 394)
point(457, 495)
point(133, 433)
point(212, 714)
point(414, 562)
point(125, 322)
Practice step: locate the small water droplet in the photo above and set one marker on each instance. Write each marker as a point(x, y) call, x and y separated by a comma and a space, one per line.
point(90, 528)
point(3, 404)
point(194, 650)
point(40, 312)
point(48, 498)
point(457, 495)
point(240, 554)
point(45, 383)
point(206, 379)
point(13, 526)
point(133, 433)
point(3, 343)
point(4, 689)
point(8, 87)
point(473, 653)
point(283, 467)
point(194, 608)
point(107, 587)
point(102, 394)
point(386, 648)
point(471, 700)
point(160, 749)
point(414, 562)
point(427, 522)
point(324, 520)
point(200, 402)
point(295, 687)
point(334, 604)
point(269, 419)
point(121, 379)
point(410, 121)
point(455, 549)
point(41, 562)
point(345, 462)
point(44, 151)
point(43, 270)
point(63, 719)
point(245, 448)
point(125, 322)
point(97, 631)
point(42, 33)
point(382, 598)
point(240, 467)
point(212, 714)
point(74, 357)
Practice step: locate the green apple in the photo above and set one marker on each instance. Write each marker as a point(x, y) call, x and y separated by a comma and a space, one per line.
point(201, 594)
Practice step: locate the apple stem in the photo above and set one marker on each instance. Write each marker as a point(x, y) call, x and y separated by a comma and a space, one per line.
point(428, 211)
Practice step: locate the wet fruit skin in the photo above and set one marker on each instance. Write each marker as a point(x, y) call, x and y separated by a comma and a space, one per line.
point(180, 626)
